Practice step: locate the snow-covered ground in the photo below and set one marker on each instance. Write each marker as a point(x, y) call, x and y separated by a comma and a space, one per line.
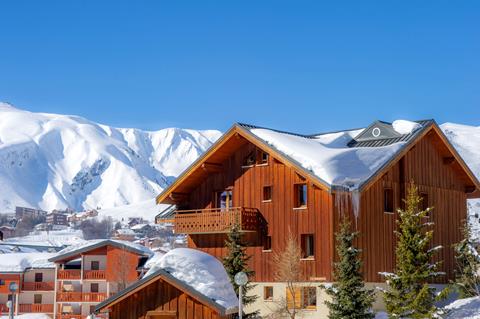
point(29, 316)
point(53, 238)
point(53, 161)
point(145, 209)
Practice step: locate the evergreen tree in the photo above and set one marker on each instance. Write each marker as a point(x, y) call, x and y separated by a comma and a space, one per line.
point(409, 294)
point(350, 298)
point(236, 261)
point(467, 279)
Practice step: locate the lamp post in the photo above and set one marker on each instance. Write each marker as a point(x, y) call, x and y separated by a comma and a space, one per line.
point(13, 287)
point(241, 280)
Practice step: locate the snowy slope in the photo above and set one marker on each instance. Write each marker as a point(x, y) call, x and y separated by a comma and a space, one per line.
point(57, 161)
point(466, 140)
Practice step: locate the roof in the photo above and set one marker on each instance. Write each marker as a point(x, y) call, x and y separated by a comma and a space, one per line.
point(75, 250)
point(347, 160)
point(162, 273)
point(20, 262)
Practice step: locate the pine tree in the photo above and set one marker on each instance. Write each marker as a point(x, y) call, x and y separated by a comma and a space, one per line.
point(236, 261)
point(409, 294)
point(350, 298)
point(467, 279)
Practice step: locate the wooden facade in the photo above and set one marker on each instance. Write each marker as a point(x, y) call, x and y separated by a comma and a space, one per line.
point(161, 297)
point(429, 161)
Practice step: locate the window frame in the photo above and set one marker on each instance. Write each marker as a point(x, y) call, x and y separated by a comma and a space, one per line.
point(267, 293)
point(306, 291)
point(39, 296)
point(267, 244)
point(307, 246)
point(94, 262)
point(303, 187)
point(388, 201)
point(269, 199)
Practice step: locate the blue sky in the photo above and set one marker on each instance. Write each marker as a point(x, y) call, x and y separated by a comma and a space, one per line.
point(306, 66)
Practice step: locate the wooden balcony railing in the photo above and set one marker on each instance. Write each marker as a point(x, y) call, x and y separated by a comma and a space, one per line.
point(38, 286)
point(81, 296)
point(37, 308)
point(217, 220)
point(70, 316)
point(94, 274)
point(69, 274)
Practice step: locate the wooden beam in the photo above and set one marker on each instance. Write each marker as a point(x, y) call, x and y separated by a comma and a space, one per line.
point(178, 196)
point(448, 160)
point(212, 167)
point(470, 189)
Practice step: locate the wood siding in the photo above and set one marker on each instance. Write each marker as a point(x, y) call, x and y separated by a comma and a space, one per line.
point(279, 213)
point(161, 296)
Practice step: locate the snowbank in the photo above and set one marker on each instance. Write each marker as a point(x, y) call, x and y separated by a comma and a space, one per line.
point(468, 308)
point(405, 127)
point(53, 238)
point(19, 262)
point(202, 272)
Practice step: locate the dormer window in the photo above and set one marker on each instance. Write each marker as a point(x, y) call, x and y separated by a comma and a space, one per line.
point(249, 160)
point(262, 158)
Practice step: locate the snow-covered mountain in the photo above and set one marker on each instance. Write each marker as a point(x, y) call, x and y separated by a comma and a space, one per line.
point(56, 161)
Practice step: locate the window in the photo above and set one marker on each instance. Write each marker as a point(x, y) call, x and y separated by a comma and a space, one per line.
point(224, 199)
point(37, 299)
point(268, 293)
point(388, 200)
point(424, 202)
point(92, 309)
point(267, 193)
point(307, 244)
point(309, 298)
point(305, 298)
point(94, 287)
point(94, 265)
point(267, 244)
point(249, 160)
point(300, 195)
point(38, 277)
point(262, 158)
point(2, 282)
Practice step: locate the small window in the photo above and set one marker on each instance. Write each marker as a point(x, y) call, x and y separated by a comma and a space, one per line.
point(268, 293)
point(94, 287)
point(309, 298)
point(37, 299)
point(2, 282)
point(267, 244)
point(95, 265)
point(224, 199)
point(262, 158)
point(38, 277)
point(267, 193)
point(388, 200)
point(300, 195)
point(424, 201)
point(92, 309)
point(250, 159)
point(308, 249)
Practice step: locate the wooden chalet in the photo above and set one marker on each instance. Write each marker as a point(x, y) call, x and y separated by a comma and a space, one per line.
point(162, 296)
point(272, 182)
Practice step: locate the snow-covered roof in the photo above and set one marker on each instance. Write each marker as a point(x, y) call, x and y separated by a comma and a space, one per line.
point(97, 243)
point(125, 231)
point(331, 157)
point(201, 271)
point(19, 262)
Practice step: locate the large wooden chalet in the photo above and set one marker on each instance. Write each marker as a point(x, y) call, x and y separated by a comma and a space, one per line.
point(273, 182)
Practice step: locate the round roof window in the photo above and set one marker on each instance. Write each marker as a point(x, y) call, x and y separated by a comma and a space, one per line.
point(376, 132)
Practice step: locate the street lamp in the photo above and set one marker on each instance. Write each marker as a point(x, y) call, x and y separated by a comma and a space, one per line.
point(241, 280)
point(13, 287)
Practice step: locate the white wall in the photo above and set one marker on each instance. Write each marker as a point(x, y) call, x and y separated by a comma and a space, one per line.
point(48, 275)
point(26, 297)
point(100, 258)
point(102, 285)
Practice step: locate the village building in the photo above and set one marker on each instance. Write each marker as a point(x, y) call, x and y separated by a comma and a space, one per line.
point(21, 212)
point(273, 182)
point(124, 234)
point(182, 283)
point(57, 219)
point(88, 273)
point(35, 277)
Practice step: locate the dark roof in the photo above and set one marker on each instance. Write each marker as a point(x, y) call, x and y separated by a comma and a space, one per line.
point(72, 251)
point(171, 279)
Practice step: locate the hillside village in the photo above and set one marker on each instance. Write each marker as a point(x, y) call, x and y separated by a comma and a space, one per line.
point(165, 258)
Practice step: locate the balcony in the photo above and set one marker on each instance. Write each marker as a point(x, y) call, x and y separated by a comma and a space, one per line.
point(217, 220)
point(36, 308)
point(70, 316)
point(38, 286)
point(94, 274)
point(81, 296)
point(69, 274)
